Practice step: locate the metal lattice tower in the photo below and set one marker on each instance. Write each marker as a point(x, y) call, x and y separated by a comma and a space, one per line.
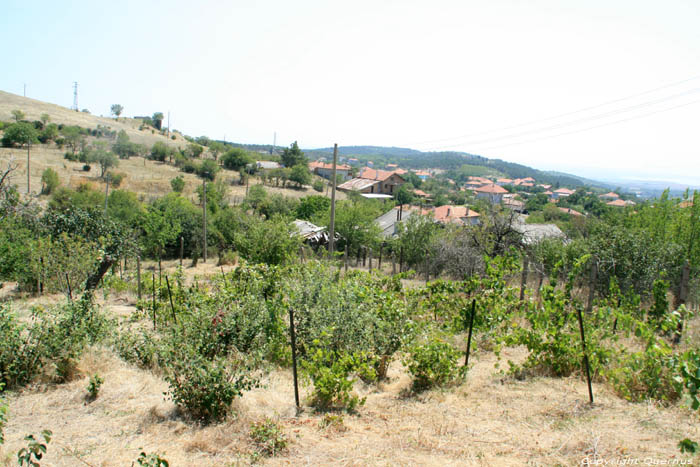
point(75, 96)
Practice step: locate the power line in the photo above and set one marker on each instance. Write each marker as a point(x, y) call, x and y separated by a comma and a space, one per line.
point(593, 127)
point(532, 122)
point(574, 122)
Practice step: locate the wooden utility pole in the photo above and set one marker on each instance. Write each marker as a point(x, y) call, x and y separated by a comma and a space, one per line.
point(28, 144)
point(204, 220)
point(523, 278)
point(331, 240)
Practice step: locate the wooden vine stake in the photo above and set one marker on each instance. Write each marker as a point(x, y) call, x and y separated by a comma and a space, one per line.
point(585, 355)
point(153, 298)
point(294, 357)
point(170, 295)
point(469, 337)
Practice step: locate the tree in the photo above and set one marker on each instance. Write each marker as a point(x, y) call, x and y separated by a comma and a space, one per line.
point(73, 137)
point(404, 195)
point(311, 206)
point(215, 148)
point(45, 118)
point(116, 110)
point(20, 134)
point(17, 115)
point(160, 151)
point(208, 169)
point(178, 184)
point(293, 156)
point(49, 181)
point(300, 175)
point(50, 133)
point(194, 150)
point(106, 160)
point(157, 120)
point(236, 158)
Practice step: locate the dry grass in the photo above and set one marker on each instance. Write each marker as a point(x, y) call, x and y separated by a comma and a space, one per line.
point(487, 420)
point(148, 179)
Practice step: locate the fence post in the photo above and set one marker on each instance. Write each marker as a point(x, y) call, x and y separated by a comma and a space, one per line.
point(138, 275)
point(393, 263)
point(364, 256)
point(359, 255)
point(153, 299)
point(469, 338)
point(170, 296)
point(585, 356)
point(401, 260)
point(379, 266)
point(294, 357)
point(591, 289)
point(523, 278)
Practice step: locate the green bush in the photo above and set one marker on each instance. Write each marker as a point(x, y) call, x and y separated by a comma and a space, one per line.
point(204, 389)
point(93, 387)
point(268, 437)
point(318, 186)
point(151, 460)
point(49, 181)
point(432, 364)
point(178, 184)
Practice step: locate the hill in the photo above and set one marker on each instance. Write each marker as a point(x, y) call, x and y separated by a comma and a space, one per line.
point(446, 160)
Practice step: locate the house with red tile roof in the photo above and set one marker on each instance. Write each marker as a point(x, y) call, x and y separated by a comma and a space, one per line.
point(491, 192)
point(447, 214)
point(571, 212)
point(562, 193)
point(618, 203)
point(326, 170)
point(504, 181)
point(375, 182)
point(611, 196)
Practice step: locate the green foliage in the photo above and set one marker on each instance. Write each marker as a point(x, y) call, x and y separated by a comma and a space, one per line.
point(414, 239)
point(17, 115)
point(354, 222)
point(312, 206)
point(194, 150)
point(116, 110)
point(331, 376)
point(318, 185)
point(177, 184)
point(236, 159)
point(659, 307)
point(49, 181)
point(300, 175)
point(3, 415)
point(161, 151)
point(35, 450)
point(93, 387)
point(204, 389)
point(268, 437)
point(688, 446)
point(208, 169)
point(151, 460)
point(49, 133)
point(432, 364)
point(293, 156)
point(157, 120)
point(20, 134)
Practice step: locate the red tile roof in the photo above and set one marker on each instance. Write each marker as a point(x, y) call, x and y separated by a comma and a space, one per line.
point(321, 165)
point(618, 203)
point(564, 191)
point(491, 188)
point(570, 211)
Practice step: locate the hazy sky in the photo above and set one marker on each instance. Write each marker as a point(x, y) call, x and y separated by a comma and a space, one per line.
point(494, 77)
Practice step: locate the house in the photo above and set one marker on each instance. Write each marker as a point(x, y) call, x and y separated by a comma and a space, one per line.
point(455, 215)
point(421, 194)
point(391, 167)
point(571, 212)
point(514, 204)
point(611, 196)
point(562, 193)
point(326, 170)
point(267, 165)
point(534, 233)
point(313, 235)
point(618, 203)
point(492, 192)
point(374, 181)
point(423, 175)
point(504, 181)
point(389, 221)
point(353, 161)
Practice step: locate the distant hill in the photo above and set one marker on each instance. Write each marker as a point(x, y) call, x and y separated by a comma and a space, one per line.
point(447, 160)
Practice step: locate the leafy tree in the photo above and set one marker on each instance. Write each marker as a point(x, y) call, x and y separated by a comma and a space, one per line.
point(194, 150)
point(125, 207)
point(404, 195)
point(160, 151)
point(50, 133)
point(236, 159)
point(49, 181)
point(208, 169)
point(73, 137)
point(415, 235)
point(300, 175)
point(20, 134)
point(537, 202)
point(312, 206)
point(293, 156)
point(178, 184)
point(116, 110)
point(216, 148)
point(17, 115)
point(157, 120)
point(354, 222)
point(105, 159)
point(159, 231)
point(318, 186)
point(45, 118)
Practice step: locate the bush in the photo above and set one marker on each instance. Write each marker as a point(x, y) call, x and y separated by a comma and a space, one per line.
point(86, 168)
point(318, 186)
point(268, 437)
point(208, 169)
point(178, 184)
point(236, 159)
point(93, 387)
point(432, 364)
point(205, 389)
point(49, 181)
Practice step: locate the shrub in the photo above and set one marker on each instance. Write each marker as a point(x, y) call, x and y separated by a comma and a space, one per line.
point(208, 169)
point(318, 186)
point(93, 387)
point(151, 460)
point(178, 184)
point(432, 364)
point(268, 437)
point(86, 168)
point(49, 181)
point(205, 389)
point(32, 454)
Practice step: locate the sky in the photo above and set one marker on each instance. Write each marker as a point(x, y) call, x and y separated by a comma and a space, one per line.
point(598, 88)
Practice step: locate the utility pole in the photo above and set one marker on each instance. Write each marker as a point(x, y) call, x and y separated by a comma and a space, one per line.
point(75, 96)
point(28, 145)
point(168, 124)
point(25, 89)
point(331, 240)
point(204, 217)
